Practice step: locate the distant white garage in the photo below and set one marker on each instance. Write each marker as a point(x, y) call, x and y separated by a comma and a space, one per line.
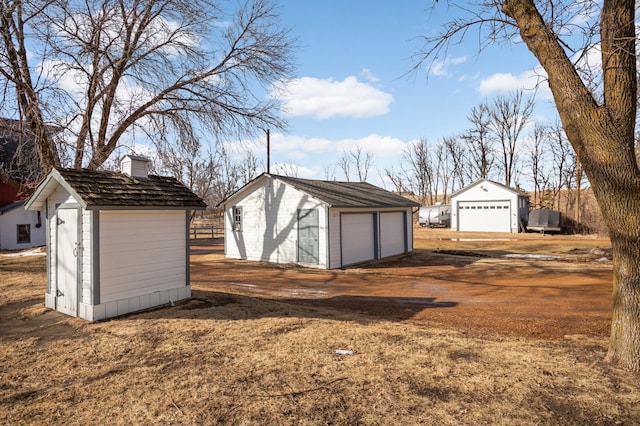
point(487, 206)
point(321, 224)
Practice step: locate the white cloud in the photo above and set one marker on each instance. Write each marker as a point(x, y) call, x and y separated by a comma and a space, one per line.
point(378, 146)
point(298, 147)
point(328, 98)
point(500, 82)
point(440, 68)
point(506, 82)
point(369, 76)
point(308, 150)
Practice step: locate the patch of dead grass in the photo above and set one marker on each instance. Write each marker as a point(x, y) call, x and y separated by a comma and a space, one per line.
point(224, 358)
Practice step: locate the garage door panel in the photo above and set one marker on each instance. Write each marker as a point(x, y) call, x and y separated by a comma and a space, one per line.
point(484, 216)
point(392, 233)
point(358, 243)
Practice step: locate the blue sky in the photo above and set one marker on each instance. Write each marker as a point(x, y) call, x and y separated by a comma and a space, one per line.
point(354, 87)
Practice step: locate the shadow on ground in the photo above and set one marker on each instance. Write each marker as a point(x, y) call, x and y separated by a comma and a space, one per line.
point(207, 305)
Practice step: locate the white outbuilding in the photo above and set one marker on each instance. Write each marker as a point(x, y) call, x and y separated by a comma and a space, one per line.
point(487, 206)
point(116, 242)
point(321, 224)
point(20, 229)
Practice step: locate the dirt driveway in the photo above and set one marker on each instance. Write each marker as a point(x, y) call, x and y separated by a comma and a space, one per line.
point(530, 285)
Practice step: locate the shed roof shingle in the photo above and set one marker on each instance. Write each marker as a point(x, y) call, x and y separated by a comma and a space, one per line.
point(113, 189)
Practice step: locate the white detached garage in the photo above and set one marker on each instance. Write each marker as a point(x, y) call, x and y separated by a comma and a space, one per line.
point(322, 224)
point(116, 242)
point(487, 206)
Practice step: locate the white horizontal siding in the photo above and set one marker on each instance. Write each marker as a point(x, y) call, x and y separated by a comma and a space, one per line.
point(141, 252)
point(9, 229)
point(270, 224)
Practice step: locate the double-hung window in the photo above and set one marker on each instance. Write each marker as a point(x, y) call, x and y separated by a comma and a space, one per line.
point(237, 218)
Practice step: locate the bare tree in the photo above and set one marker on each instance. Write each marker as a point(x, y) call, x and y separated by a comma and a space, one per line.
point(509, 116)
point(419, 171)
point(160, 66)
point(443, 166)
point(357, 161)
point(560, 150)
point(344, 164)
point(287, 169)
point(397, 179)
point(457, 156)
point(186, 161)
point(537, 159)
point(227, 180)
point(479, 142)
point(579, 182)
point(329, 172)
point(597, 107)
point(248, 167)
point(19, 167)
point(361, 161)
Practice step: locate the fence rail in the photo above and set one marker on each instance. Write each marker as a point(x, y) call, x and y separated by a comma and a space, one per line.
point(206, 231)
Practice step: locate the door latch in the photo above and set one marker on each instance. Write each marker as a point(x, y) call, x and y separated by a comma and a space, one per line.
point(59, 221)
point(59, 293)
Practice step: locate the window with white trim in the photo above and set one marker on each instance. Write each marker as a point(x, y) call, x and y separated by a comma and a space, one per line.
point(237, 218)
point(24, 234)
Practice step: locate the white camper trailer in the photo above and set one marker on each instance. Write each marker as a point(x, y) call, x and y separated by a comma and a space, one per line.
point(432, 216)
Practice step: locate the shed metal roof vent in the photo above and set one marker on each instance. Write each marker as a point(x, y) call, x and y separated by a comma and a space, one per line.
point(135, 166)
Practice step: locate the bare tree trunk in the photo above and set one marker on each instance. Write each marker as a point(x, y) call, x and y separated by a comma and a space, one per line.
point(603, 139)
point(12, 31)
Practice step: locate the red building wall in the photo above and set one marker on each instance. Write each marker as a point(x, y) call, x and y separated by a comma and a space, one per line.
point(9, 194)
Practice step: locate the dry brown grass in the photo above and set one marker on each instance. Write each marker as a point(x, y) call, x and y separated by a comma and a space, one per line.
point(231, 359)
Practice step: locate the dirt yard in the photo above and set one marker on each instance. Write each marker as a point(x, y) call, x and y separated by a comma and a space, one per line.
point(547, 286)
point(469, 329)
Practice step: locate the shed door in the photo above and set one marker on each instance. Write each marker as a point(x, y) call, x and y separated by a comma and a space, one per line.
point(484, 216)
point(357, 237)
point(393, 234)
point(308, 236)
point(67, 252)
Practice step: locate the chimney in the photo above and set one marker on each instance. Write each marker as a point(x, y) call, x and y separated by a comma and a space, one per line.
point(135, 166)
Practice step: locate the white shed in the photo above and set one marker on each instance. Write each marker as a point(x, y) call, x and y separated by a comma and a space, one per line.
point(116, 242)
point(321, 224)
point(487, 206)
point(20, 229)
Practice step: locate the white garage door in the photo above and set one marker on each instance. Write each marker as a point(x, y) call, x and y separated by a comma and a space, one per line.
point(358, 242)
point(484, 216)
point(392, 234)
